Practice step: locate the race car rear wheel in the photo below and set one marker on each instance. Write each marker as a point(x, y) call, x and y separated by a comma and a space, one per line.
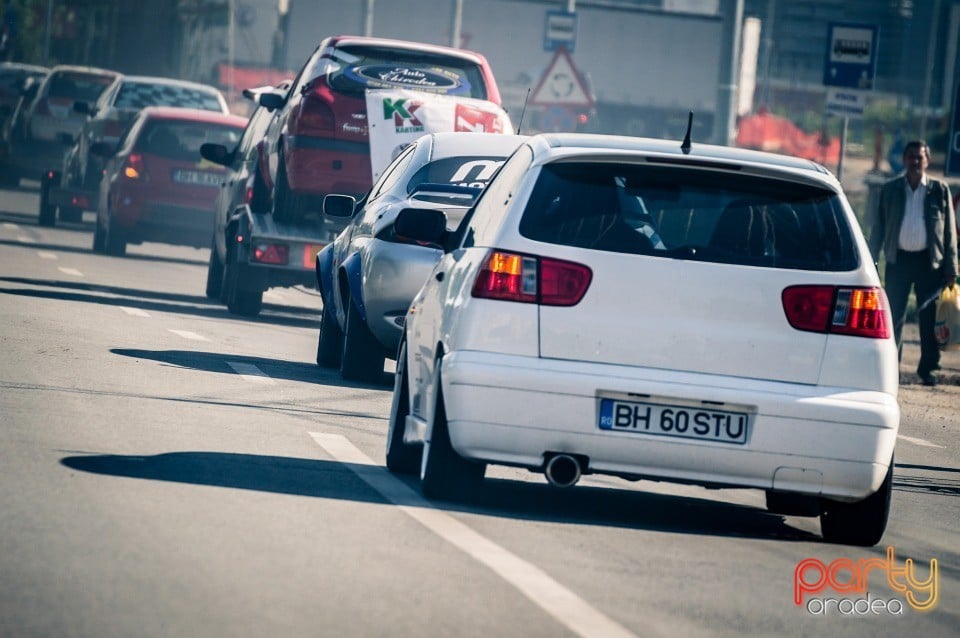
point(402, 458)
point(330, 342)
point(362, 358)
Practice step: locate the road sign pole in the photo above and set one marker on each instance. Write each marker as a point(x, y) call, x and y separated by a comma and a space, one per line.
point(843, 147)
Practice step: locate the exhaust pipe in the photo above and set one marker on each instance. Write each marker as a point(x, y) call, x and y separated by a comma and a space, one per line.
point(562, 470)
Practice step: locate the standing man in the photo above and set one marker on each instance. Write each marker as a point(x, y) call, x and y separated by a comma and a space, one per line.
point(916, 228)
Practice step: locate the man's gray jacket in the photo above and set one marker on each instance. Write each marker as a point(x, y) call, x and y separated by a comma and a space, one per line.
point(938, 216)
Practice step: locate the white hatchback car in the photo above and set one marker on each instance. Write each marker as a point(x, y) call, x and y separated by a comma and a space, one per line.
point(630, 307)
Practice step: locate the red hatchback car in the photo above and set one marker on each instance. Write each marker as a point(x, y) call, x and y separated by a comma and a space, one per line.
point(318, 142)
point(156, 187)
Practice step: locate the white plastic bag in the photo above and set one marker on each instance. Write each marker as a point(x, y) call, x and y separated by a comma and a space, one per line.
point(947, 326)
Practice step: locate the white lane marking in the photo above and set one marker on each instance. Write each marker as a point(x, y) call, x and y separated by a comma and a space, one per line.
point(186, 334)
point(555, 599)
point(10, 225)
point(45, 254)
point(70, 271)
point(23, 239)
point(135, 312)
point(916, 441)
point(250, 372)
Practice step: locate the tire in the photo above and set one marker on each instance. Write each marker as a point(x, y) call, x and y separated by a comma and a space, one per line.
point(48, 212)
point(246, 303)
point(402, 458)
point(214, 273)
point(444, 474)
point(260, 202)
point(114, 243)
point(363, 357)
point(99, 238)
point(330, 342)
point(288, 206)
point(861, 523)
point(71, 214)
point(8, 179)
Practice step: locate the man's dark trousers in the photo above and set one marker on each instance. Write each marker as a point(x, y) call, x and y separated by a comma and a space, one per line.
point(913, 269)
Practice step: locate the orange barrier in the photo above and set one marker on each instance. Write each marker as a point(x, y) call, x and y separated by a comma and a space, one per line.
point(768, 132)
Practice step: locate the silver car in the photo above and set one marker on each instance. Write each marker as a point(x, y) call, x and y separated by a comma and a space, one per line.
point(369, 274)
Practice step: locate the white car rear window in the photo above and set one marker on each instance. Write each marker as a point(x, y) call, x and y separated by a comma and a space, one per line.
point(690, 213)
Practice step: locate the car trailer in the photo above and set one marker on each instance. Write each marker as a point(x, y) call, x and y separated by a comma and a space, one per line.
point(65, 204)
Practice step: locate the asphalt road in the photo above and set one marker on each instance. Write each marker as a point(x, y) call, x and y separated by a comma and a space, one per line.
point(167, 469)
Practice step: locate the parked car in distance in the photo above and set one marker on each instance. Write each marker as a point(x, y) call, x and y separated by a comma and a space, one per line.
point(13, 78)
point(112, 112)
point(369, 275)
point(749, 346)
point(156, 187)
point(319, 143)
point(37, 137)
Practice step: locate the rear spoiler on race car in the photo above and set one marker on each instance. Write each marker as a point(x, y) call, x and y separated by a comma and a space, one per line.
point(446, 193)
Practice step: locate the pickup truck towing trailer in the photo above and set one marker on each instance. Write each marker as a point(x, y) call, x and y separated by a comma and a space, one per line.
point(57, 201)
point(262, 253)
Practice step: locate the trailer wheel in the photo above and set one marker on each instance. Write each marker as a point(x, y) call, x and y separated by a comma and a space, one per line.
point(71, 214)
point(214, 273)
point(48, 212)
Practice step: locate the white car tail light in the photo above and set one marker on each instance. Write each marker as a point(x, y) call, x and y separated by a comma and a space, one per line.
point(531, 279)
point(859, 312)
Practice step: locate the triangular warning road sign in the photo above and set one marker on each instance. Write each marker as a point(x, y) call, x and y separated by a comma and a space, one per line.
point(561, 84)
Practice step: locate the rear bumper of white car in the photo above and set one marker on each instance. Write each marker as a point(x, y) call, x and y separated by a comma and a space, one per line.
point(805, 439)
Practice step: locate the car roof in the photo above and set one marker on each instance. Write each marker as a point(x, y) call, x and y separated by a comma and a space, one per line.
point(20, 66)
point(358, 40)
point(156, 79)
point(192, 115)
point(554, 145)
point(92, 70)
point(459, 144)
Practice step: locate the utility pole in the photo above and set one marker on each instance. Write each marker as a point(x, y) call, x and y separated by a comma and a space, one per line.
point(456, 23)
point(368, 18)
point(731, 13)
point(46, 35)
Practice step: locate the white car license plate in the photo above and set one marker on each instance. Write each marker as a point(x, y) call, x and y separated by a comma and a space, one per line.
point(197, 178)
point(681, 421)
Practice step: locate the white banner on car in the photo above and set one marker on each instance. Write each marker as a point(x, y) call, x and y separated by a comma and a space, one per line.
point(397, 117)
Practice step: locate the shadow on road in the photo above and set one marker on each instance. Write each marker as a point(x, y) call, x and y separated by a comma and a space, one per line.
point(274, 368)
point(61, 248)
point(157, 301)
point(582, 505)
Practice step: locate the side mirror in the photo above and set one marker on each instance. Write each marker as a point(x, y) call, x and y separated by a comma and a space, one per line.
point(422, 225)
point(82, 108)
point(103, 149)
point(66, 139)
point(270, 101)
point(339, 205)
point(216, 153)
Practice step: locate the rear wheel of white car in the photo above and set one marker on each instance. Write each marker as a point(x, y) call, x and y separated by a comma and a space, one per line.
point(861, 523)
point(402, 458)
point(330, 342)
point(362, 358)
point(288, 206)
point(444, 474)
point(214, 273)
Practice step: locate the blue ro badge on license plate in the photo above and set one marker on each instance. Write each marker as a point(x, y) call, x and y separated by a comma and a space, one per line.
point(685, 422)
